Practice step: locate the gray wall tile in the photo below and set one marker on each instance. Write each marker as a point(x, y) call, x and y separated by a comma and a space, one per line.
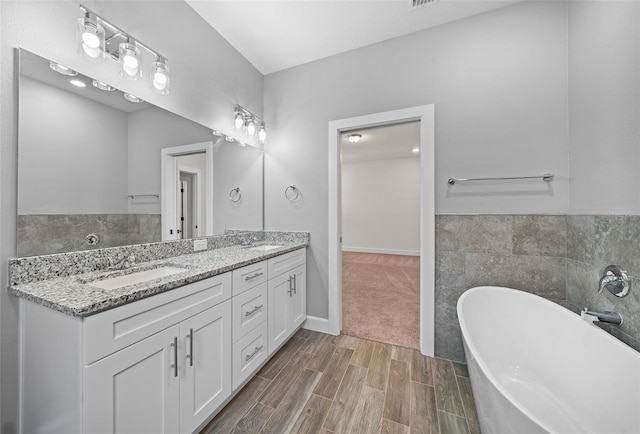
point(581, 237)
point(542, 235)
point(473, 233)
point(540, 275)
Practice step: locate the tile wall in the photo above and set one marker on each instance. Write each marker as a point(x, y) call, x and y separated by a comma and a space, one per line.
point(44, 234)
point(593, 243)
point(558, 257)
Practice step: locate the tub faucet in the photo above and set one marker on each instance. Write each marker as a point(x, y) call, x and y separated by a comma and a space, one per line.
point(592, 316)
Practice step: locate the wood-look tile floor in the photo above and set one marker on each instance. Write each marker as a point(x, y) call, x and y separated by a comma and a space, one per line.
point(319, 383)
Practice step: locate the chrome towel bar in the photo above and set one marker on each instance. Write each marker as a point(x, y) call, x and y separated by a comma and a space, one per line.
point(545, 177)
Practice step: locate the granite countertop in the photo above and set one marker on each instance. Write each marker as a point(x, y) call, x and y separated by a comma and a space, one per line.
point(73, 295)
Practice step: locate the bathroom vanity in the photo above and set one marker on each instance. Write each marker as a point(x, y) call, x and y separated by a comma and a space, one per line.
point(162, 355)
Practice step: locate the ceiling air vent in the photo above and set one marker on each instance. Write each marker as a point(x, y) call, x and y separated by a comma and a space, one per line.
point(413, 4)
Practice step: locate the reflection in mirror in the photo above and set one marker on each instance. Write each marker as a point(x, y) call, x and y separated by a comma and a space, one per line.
point(89, 168)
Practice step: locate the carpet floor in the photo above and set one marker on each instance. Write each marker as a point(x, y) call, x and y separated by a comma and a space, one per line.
point(381, 298)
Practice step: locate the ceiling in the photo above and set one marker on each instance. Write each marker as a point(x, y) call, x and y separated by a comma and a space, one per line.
point(37, 68)
point(386, 142)
point(276, 35)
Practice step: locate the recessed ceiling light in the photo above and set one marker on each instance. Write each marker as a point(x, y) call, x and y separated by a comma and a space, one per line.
point(61, 69)
point(354, 138)
point(132, 98)
point(77, 83)
point(103, 86)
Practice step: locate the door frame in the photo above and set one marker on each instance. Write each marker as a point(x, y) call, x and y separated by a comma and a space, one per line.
point(425, 114)
point(169, 180)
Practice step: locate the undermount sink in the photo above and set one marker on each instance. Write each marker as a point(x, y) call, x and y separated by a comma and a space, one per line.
point(136, 277)
point(265, 247)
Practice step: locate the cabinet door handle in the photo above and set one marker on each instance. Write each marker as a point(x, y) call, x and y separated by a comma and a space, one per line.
point(258, 274)
point(290, 287)
point(255, 352)
point(190, 355)
point(255, 309)
point(174, 344)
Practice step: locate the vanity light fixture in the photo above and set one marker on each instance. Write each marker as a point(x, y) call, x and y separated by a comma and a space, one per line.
point(99, 39)
point(102, 86)
point(61, 69)
point(354, 138)
point(132, 98)
point(244, 119)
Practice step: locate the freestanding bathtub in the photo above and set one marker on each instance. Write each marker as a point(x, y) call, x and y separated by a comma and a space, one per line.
point(537, 367)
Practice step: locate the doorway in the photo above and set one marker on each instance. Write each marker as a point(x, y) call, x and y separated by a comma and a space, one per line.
point(425, 115)
point(189, 213)
point(380, 188)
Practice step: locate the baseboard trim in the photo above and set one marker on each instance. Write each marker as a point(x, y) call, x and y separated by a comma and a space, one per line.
point(381, 251)
point(316, 324)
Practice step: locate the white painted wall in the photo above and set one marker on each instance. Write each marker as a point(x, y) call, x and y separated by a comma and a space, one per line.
point(208, 78)
point(381, 206)
point(70, 125)
point(604, 107)
point(150, 130)
point(499, 85)
point(237, 166)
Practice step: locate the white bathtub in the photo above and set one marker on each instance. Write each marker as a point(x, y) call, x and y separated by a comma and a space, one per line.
point(536, 367)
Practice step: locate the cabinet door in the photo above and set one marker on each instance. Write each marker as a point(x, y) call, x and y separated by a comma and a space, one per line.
point(206, 340)
point(278, 318)
point(136, 390)
point(298, 299)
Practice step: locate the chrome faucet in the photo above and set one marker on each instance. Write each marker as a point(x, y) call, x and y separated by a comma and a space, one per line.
point(616, 280)
point(122, 264)
point(592, 316)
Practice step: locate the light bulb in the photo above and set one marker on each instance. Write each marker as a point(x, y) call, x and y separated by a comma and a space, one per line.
point(61, 69)
point(77, 83)
point(129, 55)
point(354, 138)
point(239, 121)
point(91, 38)
point(251, 127)
point(160, 76)
point(262, 133)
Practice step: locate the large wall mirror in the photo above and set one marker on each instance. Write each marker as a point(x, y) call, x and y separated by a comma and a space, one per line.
point(89, 168)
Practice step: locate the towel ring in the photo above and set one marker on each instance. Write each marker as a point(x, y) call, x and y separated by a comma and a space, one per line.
point(235, 195)
point(293, 195)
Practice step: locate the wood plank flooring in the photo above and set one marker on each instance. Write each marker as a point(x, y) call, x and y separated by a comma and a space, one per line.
point(326, 384)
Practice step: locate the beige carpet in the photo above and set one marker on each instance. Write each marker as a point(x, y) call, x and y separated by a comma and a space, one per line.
point(381, 298)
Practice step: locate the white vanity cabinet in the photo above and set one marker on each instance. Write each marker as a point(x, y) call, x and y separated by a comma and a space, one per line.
point(287, 296)
point(159, 365)
point(163, 364)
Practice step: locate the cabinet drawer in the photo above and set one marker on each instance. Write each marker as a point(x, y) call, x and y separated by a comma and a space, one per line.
point(249, 276)
point(249, 310)
point(249, 353)
point(112, 330)
point(288, 261)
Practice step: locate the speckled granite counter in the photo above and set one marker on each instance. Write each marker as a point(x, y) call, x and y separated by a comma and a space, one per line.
point(73, 294)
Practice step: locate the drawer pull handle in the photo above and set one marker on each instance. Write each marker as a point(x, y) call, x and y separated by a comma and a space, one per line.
point(255, 352)
point(258, 274)
point(190, 355)
point(255, 309)
point(174, 344)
